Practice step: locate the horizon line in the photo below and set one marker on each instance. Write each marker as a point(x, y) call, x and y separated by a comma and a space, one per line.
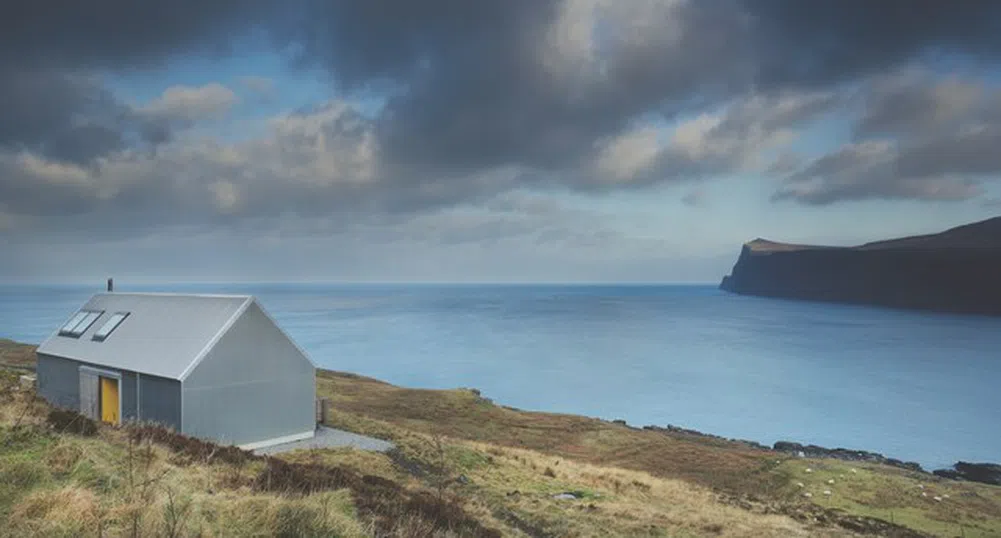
point(144, 283)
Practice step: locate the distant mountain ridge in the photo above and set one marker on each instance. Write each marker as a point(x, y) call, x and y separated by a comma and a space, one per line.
point(958, 270)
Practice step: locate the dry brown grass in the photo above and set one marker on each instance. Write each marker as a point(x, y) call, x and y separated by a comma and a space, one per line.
point(17, 355)
point(496, 466)
point(614, 501)
point(465, 415)
point(67, 511)
point(140, 480)
point(754, 479)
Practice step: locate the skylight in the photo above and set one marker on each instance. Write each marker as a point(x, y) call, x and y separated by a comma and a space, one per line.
point(73, 322)
point(79, 323)
point(101, 334)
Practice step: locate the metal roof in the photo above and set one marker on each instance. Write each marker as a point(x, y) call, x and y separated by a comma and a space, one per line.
point(164, 334)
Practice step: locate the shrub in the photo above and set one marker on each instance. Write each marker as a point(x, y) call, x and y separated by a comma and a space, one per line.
point(383, 501)
point(193, 448)
point(67, 421)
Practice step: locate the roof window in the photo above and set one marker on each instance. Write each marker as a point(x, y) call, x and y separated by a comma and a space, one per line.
point(79, 323)
point(113, 322)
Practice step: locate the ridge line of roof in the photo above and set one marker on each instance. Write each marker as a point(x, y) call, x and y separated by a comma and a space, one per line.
point(285, 334)
point(176, 294)
point(248, 300)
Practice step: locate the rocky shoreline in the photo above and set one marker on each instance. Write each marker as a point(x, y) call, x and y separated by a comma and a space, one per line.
point(985, 473)
point(845, 454)
point(671, 429)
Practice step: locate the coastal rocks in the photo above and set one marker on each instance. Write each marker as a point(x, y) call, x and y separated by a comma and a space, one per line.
point(985, 473)
point(814, 451)
point(478, 396)
point(678, 431)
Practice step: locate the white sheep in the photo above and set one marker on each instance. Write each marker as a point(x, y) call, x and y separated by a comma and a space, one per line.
point(800, 485)
point(808, 494)
point(831, 481)
point(854, 471)
point(827, 492)
point(809, 470)
point(937, 498)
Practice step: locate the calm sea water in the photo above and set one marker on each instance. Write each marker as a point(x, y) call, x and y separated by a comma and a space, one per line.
point(916, 386)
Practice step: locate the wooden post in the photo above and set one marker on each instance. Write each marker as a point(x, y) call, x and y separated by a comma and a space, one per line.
point(322, 410)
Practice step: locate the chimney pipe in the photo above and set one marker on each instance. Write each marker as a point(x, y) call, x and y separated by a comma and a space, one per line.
point(111, 284)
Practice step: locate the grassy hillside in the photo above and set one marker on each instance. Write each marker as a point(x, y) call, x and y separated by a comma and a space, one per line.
point(759, 481)
point(464, 466)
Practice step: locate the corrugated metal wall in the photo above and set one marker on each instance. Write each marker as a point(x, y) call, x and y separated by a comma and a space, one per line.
point(59, 381)
point(160, 400)
point(128, 393)
point(59, 384)
point(253, 386)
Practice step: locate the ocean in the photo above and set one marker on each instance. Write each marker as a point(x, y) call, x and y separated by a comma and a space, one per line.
point(915, 386)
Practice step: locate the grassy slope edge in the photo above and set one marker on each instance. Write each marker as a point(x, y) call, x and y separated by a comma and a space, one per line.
point(498, 465)
point(761, 481)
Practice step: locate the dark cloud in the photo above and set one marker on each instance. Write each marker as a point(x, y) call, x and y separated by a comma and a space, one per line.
point(486, 97)
point(972, 153)
point(881, 170)
point(117, 34)
point(528, 83)
point(538, 83)
point(829, 41)
point(917, 103)
point(918, 137)
point(51, 98)
point(745, 135)
point(72, 117)
point(67, 116)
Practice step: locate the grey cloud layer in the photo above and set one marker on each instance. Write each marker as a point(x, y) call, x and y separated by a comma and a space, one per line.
point(917, 138)
point(485, 97)
point(51, 99)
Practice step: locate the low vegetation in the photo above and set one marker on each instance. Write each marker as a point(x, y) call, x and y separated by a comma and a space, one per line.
point(463, 466)
point(864, 498)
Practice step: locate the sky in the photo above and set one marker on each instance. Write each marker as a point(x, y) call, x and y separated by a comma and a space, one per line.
point(487, 141)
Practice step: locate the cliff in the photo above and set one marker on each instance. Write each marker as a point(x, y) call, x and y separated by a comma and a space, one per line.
point(958, 270)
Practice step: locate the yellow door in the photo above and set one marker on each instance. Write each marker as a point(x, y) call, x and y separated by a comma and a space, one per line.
point(109, 400)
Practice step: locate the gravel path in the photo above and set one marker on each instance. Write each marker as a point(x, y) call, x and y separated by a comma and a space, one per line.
point(330, 438)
